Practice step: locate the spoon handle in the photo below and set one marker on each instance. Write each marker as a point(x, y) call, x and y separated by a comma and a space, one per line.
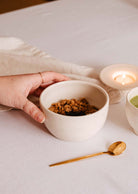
point(77, 159)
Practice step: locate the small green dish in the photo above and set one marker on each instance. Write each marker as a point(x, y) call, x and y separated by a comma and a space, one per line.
point(134, 101)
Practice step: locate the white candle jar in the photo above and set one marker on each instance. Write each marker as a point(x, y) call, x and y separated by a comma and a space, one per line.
point(120, 76)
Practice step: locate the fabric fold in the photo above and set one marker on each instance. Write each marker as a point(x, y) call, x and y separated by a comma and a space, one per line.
point(17, 57)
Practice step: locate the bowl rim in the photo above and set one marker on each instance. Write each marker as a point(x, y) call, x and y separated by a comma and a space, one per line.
point(75, 81)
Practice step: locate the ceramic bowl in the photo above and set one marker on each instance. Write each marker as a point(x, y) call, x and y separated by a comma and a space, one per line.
point(74, 128)
point(131, 110)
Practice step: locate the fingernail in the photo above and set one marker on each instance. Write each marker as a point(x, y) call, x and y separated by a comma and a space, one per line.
point(43, 120)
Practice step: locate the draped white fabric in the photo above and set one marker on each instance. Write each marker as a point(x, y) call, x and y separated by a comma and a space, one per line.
point(17, 57)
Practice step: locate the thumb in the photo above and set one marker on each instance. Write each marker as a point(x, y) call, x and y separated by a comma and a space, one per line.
point(32, 110)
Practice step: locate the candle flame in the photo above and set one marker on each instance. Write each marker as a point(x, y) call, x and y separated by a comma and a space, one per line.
point(124, 77)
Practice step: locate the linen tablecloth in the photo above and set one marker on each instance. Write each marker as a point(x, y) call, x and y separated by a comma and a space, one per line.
point(87, 33)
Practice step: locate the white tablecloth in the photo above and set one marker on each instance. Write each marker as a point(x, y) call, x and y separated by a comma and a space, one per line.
point(93, 33)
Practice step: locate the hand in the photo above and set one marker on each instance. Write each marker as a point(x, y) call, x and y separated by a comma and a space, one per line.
point(14, 91)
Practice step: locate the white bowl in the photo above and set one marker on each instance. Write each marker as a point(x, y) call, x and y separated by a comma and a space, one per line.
point(74, 128)
point(131, 110)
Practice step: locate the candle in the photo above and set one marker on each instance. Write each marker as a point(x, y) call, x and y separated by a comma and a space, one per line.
point(124, 77)
point(120, 76)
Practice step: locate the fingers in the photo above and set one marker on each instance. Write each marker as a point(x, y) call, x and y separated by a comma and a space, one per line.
point(52, 77)
point(44, 79)
point(33, 111)
point(38, 91)
point(44, 85)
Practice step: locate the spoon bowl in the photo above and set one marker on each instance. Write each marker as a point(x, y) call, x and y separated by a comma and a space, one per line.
point(117, 148)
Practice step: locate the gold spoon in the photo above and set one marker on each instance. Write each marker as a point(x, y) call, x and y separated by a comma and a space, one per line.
point(114, 149)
